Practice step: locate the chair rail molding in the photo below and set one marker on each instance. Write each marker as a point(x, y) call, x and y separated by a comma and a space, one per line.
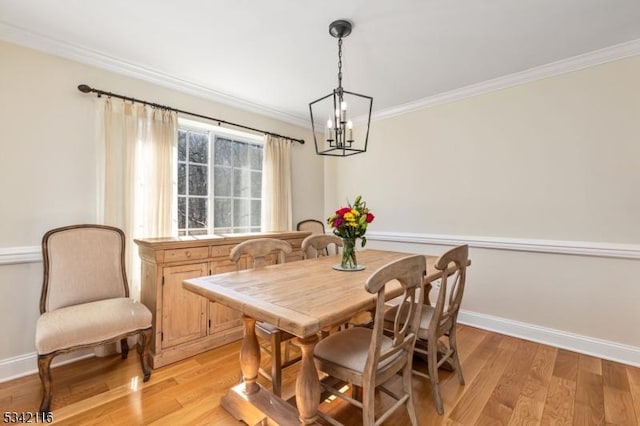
point(580, 248)
point(16, 255)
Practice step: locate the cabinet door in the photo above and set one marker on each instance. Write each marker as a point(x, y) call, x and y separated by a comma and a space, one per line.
point(222, 318)
point(183, 312)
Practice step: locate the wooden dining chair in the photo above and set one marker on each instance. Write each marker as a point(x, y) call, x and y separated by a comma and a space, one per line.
point(311, 225)
point(441, 321)
point(265, 251)
point(85, 299)
point(317, 245)
point(367, 358)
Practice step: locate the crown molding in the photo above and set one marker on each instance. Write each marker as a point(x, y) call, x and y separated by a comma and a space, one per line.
point(575, 63)
point(86, 56)
point(96, 59)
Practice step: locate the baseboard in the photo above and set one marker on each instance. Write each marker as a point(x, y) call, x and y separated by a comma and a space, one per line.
point(24, 365)
point(625, 354)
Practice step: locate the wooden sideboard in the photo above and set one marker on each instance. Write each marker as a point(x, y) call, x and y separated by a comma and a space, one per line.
point(185, 324)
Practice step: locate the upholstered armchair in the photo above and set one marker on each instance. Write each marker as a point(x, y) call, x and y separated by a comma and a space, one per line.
point(85, 298)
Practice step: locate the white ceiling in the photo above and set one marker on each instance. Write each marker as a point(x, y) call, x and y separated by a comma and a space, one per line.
point(276, 56)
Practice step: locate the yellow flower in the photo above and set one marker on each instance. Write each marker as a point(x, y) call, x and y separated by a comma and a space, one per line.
point(355, 212)
point(349, 217)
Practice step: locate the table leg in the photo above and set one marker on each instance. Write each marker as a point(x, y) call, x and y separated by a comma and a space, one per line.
point(250, 356)
point(307, 383)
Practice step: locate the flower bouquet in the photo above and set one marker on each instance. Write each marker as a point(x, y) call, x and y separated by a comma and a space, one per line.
point(350, 223)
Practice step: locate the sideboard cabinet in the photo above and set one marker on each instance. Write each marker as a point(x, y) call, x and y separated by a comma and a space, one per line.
point(184, 323)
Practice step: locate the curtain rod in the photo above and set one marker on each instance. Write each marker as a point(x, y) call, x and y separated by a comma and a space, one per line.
point(87, 89)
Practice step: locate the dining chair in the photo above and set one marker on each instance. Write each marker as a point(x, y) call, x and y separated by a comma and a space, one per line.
point(367, 358)
point(265, 251)
point(85, 300)
point(441, 321)
point(317, 245)
point(312, 225)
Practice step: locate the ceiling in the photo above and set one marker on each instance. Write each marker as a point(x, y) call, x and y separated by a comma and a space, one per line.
point(276, 56)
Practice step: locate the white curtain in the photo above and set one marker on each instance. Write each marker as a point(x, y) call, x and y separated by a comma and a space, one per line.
point(136, 167)
point(276, 185)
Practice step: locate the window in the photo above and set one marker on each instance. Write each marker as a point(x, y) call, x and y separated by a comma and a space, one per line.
point(219, 181)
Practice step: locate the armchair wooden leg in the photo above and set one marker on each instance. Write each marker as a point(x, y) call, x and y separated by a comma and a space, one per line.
point(144, 342)
point(276, 364)
point(44, 370)
point(124, 348)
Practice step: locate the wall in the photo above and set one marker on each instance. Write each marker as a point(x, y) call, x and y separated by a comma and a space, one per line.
point(48, 177)
point(548, 166)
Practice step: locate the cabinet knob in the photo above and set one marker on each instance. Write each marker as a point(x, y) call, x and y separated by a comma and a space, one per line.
point(188, 253)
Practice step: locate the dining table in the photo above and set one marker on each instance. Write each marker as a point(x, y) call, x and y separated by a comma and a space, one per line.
point(302, 298)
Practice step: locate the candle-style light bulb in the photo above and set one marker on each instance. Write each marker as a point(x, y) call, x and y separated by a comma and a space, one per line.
point(350, 128)
point(327, 130)
point(343, 105)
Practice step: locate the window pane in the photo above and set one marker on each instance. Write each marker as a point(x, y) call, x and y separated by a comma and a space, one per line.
point(182, 212)
point(222, 181)
point(222, 151)
point(182, 179)
point(241, 184)
point(256, 205)
point(197, 212)
point(256, 184)
point(198, 147)
point(222, 213)
point(255, 156)
point(182, 145)
point(198, 180)
point(241, 212)
point(240, 154)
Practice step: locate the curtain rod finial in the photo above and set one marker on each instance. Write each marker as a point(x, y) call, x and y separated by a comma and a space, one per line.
point(84, 88)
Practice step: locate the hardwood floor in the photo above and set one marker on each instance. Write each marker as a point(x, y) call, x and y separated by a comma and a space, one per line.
point(508, 381)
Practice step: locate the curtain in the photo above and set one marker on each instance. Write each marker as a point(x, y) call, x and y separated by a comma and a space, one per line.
point(136, 167)
point(276, 185)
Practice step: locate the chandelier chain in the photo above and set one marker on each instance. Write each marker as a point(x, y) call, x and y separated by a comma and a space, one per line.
point(340, 62)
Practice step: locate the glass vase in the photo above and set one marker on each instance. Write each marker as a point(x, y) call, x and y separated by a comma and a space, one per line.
point(349, 254)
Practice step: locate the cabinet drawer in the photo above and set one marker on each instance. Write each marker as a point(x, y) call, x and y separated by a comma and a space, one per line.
point(186, 254)
point(220, 251)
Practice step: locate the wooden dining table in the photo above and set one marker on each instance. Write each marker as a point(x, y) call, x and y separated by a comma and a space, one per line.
point(301, 298)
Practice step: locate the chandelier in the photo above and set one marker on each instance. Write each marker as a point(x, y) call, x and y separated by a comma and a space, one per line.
point(337, 110)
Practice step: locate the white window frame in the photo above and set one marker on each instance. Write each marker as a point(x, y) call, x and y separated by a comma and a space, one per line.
point(213, 131)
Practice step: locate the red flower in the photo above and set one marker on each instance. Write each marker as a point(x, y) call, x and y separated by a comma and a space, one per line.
point(337, 222)
point(370, 217)
point(343, 210)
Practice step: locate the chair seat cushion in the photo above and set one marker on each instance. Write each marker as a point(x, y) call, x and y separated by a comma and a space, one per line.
point(425, 319)
point(349, 348)
point(89, 323)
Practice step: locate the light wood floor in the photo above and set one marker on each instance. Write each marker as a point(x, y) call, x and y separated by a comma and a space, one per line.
point(508, 381)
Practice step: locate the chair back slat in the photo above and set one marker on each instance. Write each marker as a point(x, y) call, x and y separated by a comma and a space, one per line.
point(409, 272)
point(311, 225)
point(260, 250)
point(454, 265)
point(318, 245)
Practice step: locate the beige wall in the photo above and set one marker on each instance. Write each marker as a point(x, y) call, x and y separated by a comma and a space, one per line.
point(554, 159)
point(47, 164)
